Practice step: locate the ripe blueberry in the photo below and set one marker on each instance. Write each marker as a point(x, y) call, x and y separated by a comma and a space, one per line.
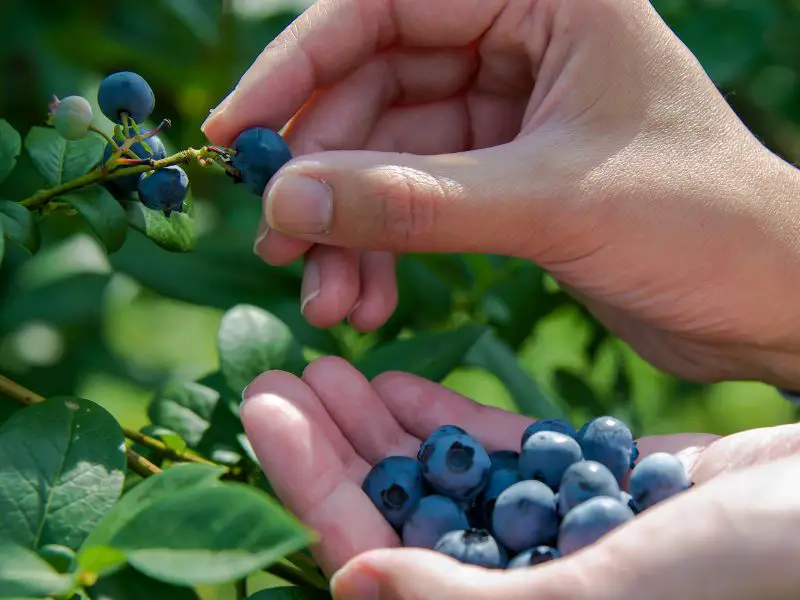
point(558, 425)
point(121, 186)
point(473, 547)
point(71, 117)
point(533, 557)
point(164, 190)
point(657, 477)
point(504, 459)
point(609, 441)
point(499, 482)
point(456, 466)
point(587, 523)
point(546, 455)
point(585, 480)
point(259, 154)
point(525, 516)
point(125, 92)
point(433, 517)
point(627, 500)
point(395, 487)
point(634, 454)
point(438, 432)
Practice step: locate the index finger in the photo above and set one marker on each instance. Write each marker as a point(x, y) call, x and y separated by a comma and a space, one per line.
point(332, 39)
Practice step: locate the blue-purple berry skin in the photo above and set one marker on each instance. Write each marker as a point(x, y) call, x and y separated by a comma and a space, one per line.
point(128, 183)
point(557, 425)
point(525, 516)
point(456, 466)
point(627, 500)
point(395, 486)
point(583, 481)
point(546, 455)
point(499, 482)
point(436, 433)
point(473, 547)
point(504, 459)
point(590, 521)
point(259, 153)
point(535, 556)
point(164, 190)
point(657, 477)
point(126, 92)
point(609, 441)
point(432, 517)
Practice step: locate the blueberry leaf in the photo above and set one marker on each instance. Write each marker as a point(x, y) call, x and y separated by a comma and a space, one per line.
point(19, 225)
point(102, 212)
point(10, 145)
point(62, 466)
point(198, 414)
point(59, 160)
point(290, 592)
point(431, 354)
point(176, 233)
point(129, 584)
point(24, 574)
point(2, 243)
point(251, 341)
point(243, 530)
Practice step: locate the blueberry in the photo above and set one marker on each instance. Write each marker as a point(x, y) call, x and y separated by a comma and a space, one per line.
point(533, 557)
point(657, 477)
point(634, 454)
point(395, 487)
point(121, 186)
point(71, 117)
point(609, 441)
point(557, 425)
point(546, 455)
point(499, 481)
point(433, 517)
point(504, 459)
point(125, 92)
point(585, 480)
point(627, 500)
point(438, 432)
point(259, 154)
point(473, 547)
point(456, 466)
point(525, 516)
point(164, 190)
point(587, 523)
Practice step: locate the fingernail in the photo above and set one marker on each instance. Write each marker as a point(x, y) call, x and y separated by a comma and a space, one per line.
point(354, 309)
point(311, 285)
point(299, 205)
point(220, 108)
point(354, 585)
point(261, 235)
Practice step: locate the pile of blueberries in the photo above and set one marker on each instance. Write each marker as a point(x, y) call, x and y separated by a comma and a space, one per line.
point(127, 99)
point(560, 493)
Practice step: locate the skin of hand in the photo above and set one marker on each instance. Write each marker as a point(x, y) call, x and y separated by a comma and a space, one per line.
point(582, 135)
point(731, 537)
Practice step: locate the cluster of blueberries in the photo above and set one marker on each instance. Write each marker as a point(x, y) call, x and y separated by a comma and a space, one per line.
point(560, 493)
point(127, 99)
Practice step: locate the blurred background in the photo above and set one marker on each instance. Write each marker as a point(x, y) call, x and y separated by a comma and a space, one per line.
point(113, 329)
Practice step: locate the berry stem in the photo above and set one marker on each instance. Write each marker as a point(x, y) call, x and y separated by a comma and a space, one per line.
point(42, 197)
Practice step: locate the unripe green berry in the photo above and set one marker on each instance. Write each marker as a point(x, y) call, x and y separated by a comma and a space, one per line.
point(72, 117)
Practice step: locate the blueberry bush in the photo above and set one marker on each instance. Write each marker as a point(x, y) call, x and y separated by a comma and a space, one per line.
point(133, 311)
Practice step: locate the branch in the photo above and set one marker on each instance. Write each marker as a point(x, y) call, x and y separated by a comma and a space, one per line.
point(160, 447)
point(139, 464)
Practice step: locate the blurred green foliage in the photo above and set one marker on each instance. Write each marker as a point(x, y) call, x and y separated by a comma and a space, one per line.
point(114, 329)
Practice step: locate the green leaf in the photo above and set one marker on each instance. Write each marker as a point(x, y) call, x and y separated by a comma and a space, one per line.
point(210, 535)
point(575, 392)
point(290, 592)
point(10, 145)
point(59, 160)
point(198, 414)
point(19, 226)
point(62, 466)
point(251, 341)
point(129, 584)
point(174, 481)
point(494, 355)
point(101, 561)
point(102, 212)
point(432, 355)
point(61, 558)
point(24, 574)
point(2, 244)
point(176, 233)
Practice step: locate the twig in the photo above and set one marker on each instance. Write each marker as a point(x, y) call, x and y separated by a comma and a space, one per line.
point(160, 447)
point(139, 464)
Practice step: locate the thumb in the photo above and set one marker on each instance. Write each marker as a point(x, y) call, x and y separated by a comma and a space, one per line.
point(493, 201)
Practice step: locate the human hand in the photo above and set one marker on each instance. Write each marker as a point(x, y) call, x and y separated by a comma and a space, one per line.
point(731, 537)
point(583, 136)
